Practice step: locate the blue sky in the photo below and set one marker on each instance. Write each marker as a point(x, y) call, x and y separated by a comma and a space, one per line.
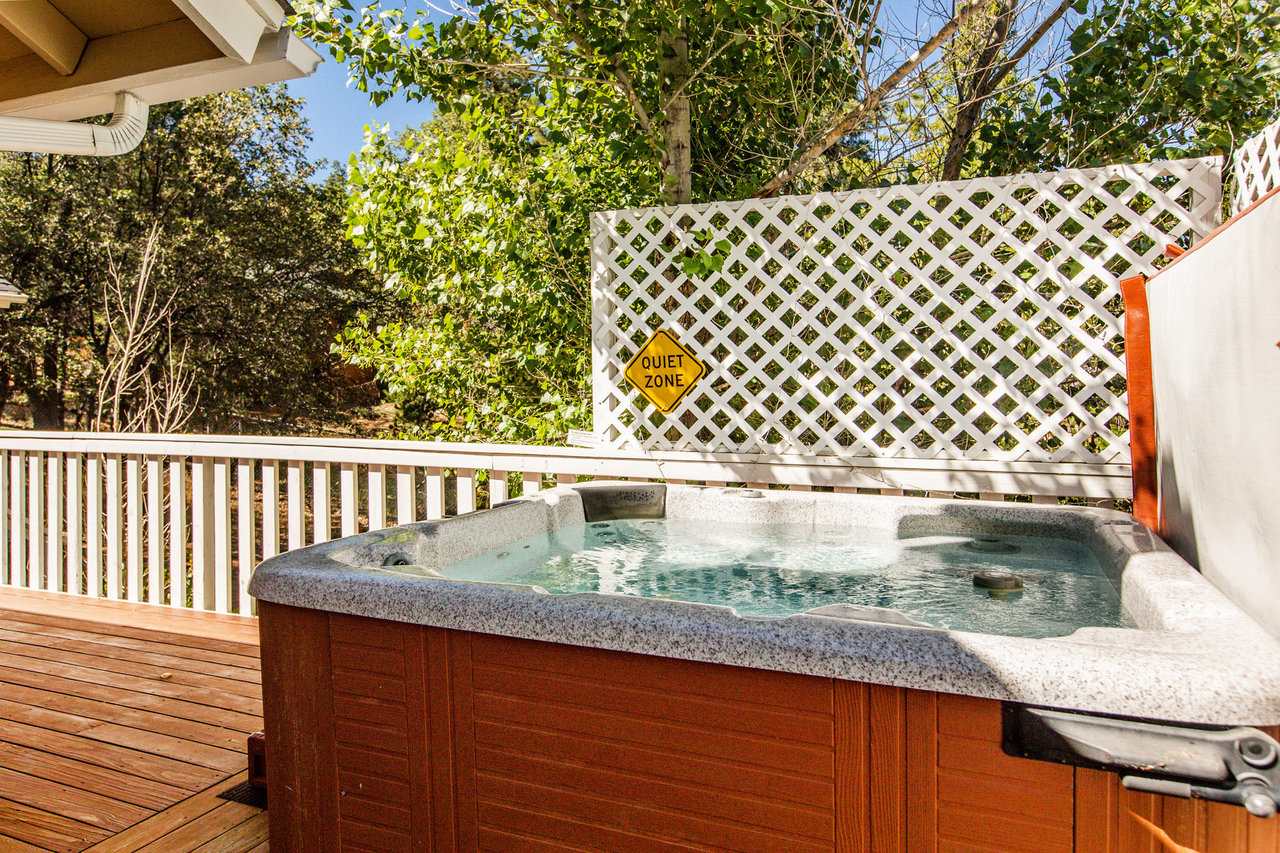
point(338, 113)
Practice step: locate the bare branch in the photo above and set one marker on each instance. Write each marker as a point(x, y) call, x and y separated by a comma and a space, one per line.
point(846, 123)
point(142, 388)
point(985, 79)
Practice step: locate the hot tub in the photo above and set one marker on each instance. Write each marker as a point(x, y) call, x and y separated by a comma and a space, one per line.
point(521, 679)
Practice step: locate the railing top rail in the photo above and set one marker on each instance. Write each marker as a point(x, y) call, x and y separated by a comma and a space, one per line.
point(314, 449)
point(1029, 477)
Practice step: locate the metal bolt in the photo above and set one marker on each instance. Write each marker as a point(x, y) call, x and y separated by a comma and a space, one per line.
point(1259, 803)
point(1257, 752)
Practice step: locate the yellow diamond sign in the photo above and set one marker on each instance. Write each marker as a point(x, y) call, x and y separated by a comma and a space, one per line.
point(664, 370)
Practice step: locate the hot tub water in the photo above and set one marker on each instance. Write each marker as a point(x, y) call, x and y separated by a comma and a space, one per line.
point(775, 570)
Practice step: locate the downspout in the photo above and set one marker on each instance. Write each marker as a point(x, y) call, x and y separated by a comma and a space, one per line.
point(41, 136)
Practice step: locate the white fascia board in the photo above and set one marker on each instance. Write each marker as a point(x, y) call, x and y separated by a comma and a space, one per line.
point(280, 56)
point(8, 299)
point(273, 13)
point(235, 26)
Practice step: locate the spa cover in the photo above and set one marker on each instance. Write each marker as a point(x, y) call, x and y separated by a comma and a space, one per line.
point(1215, 326)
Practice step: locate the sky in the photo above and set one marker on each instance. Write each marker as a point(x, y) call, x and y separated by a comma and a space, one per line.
point(338, 113)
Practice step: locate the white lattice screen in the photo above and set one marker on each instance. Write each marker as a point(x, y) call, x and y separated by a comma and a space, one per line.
point(968, 320)
point(1255, 167)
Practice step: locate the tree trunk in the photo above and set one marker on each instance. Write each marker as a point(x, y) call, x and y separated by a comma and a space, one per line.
point(841, 125)
point(987, 76)
point(677, 157)
point(4, 387)
point(45, 396)
point(973, 90)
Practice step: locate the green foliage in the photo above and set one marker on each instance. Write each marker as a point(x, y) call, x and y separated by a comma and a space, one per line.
point(481, 229)
point(478, 221)
point(760, 78)
point(251, 247)
point(1148, 79)
point(708, 258)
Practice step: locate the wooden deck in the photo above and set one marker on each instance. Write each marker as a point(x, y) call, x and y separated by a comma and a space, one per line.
point(120, 724)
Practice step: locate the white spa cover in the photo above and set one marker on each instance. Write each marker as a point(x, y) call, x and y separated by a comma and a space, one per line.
point(1215, 326)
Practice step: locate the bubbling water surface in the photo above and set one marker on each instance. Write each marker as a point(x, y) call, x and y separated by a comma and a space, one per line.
point(775, 570)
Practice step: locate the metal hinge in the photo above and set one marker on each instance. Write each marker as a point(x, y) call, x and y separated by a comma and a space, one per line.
point(1227, 765)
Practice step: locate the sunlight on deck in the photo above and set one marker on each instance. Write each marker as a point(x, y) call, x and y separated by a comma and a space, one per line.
point(121, 723)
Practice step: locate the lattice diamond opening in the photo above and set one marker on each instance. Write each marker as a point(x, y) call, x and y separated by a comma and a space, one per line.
point(967, 320)
point(1255, 167)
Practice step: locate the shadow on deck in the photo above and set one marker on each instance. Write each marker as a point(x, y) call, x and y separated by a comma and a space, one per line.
point(121, 723)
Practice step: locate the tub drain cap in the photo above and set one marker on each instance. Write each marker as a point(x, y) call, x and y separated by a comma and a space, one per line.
point(1004, 581)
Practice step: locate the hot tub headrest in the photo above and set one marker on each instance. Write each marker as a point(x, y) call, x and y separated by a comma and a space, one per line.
point(619, 501)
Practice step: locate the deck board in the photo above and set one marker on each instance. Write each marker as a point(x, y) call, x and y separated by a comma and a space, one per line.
point(120, 724)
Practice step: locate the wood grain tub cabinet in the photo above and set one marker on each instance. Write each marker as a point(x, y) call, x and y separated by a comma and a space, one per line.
point(409, 712)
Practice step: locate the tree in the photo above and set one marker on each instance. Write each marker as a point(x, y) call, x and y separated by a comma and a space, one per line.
point(731, 97)
point(990, 63)
point(250, 249)
point(781, 98)
point(1147, 79)
point(480, 229)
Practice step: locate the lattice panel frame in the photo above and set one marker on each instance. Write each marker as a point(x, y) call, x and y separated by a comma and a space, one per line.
point(890, 322)
point(1255, 168)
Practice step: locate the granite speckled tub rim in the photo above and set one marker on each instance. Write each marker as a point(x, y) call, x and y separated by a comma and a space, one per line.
point(1193, 657)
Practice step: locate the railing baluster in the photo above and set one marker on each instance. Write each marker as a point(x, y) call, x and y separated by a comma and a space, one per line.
point(4, 517)
point(78, 525)
point(35, 527)
point(466, 490)
point(406, 495)
point(223, 590)
point(497, 487)
point(435, 494)
point(348, 497)
point(53, 493)
point(75, 524)
point(115, 530)
point(177, 531)
point(321, 520)
point(246, 528)
point(203, 579)
point(155, 532)
point(17, 519)
point(270, 509)
point(133, 526)
point(295, 503)
point(377, 497)
point(93, 524)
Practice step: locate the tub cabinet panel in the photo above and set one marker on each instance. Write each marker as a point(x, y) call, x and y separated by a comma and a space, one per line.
point(386, 736)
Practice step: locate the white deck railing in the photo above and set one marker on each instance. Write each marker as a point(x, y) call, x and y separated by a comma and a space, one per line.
point(178, 520)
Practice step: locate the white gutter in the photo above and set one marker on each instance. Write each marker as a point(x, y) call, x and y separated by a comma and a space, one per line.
point(42, 136)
